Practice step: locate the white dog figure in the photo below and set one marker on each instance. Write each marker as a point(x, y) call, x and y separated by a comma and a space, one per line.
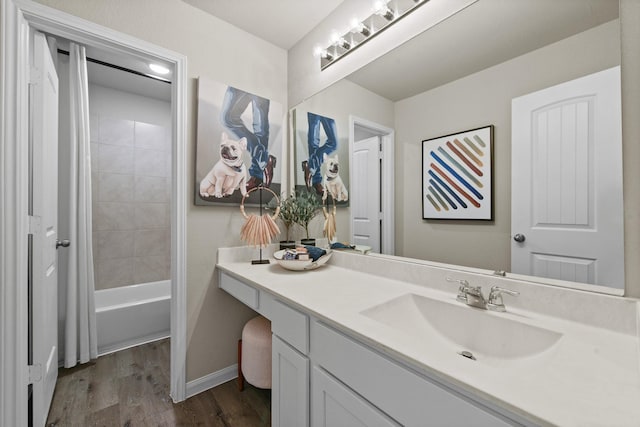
point(331, 180)
point(229, 172)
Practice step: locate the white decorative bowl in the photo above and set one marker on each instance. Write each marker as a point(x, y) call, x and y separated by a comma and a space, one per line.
point(297, 265)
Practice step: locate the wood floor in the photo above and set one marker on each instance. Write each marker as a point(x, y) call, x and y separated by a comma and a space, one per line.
point(131, 388)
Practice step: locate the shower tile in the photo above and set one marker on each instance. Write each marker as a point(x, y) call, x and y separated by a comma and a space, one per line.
point(151, 215)
point(116, 187)
point(151, 269)
point(115, 159)
point(114, 216)
point(116, 131)
point(114, 244)
point(152, 242)
point(113, 273)
point(151, 136)
point(152, 189)
point(150, 162)
point(95, 186)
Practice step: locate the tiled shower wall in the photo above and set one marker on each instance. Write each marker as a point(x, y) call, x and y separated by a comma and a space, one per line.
point(131, 170)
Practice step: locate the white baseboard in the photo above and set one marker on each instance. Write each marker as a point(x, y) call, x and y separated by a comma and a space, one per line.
point(212, 380)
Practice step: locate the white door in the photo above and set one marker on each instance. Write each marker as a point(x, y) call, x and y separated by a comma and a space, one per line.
point(566, 209)
point(289, 386)
point(365, 193)
point(44, 218)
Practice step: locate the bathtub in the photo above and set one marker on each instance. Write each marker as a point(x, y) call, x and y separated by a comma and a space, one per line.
point(132, 315)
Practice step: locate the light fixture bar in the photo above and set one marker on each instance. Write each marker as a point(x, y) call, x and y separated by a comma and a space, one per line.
point(384, 14)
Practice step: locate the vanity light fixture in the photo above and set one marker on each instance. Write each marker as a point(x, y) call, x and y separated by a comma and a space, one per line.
point(383, 10)
point(359, 27)
point(383, 14)
point(159, 69)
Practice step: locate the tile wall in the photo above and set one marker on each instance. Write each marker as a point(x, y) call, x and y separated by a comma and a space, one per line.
point(131, 171)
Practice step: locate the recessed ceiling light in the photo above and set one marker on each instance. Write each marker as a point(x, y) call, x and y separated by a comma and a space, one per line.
point(159, 69)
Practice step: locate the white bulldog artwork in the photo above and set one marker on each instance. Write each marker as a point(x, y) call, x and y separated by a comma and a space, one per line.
point(331, 180)
point(229, 173)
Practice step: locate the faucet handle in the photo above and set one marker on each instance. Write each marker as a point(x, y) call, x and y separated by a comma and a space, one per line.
point(495, 301)
point(462, 289)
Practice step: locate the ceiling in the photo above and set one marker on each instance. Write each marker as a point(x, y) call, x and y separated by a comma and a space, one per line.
point(281, 22)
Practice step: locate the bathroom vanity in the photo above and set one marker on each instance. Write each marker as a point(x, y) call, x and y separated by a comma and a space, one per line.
point(383, 341)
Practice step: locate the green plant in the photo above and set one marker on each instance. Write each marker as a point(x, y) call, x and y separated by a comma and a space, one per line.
point(305, 208)
point(288, 212)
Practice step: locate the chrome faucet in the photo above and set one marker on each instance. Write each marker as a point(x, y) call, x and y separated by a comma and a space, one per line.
point(495, 302)
point(462, 290)
point(472, 295)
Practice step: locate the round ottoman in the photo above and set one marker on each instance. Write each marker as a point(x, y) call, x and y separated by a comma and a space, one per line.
point(254, 353)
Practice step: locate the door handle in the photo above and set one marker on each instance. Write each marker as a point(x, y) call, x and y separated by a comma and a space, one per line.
point(64, 243)
point(519, 238)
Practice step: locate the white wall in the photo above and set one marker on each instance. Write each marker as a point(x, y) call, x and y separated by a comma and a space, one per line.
point(225, 53)
point(487, 100)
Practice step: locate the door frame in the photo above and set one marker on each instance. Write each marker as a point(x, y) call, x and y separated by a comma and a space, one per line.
point(387, 195)
point(18, 17)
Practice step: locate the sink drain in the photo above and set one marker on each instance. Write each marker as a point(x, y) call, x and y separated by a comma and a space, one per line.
point(467, 354)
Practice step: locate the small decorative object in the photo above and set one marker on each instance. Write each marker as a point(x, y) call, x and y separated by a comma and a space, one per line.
point(307, 205)
point(457, 175)
point(329, 221)
point(297, 260)
point(258, 230)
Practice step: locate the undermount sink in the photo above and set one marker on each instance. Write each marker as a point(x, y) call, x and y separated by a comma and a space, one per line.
point(485, 334)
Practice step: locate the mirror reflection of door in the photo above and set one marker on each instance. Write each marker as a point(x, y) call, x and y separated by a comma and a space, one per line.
point(567, 182)
point(365, 193)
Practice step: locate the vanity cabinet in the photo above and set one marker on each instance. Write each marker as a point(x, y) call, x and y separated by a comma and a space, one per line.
point(324, 377)
point(406, 397)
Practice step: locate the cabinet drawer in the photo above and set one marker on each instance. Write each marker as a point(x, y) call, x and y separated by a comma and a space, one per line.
point(241, 291)
point(410, 399)
point(290, 325)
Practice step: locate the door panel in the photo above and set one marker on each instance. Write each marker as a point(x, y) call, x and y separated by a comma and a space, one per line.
point(567, 181)
point(365, 195)
point(44, 196)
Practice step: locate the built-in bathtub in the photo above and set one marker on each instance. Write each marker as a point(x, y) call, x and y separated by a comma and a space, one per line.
point(132, 315)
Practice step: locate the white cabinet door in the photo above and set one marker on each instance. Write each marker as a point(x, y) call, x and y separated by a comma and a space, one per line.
point(290, 386)
point(334, 405)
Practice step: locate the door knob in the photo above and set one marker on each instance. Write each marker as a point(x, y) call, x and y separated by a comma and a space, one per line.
point(519, 238)
point(64, 243)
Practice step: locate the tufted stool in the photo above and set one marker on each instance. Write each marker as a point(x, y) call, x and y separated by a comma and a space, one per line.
point(254, 353)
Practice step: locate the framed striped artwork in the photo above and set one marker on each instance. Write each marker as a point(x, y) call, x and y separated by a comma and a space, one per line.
point(457, 175)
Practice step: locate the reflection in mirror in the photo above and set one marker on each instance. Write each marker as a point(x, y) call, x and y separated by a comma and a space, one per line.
point(463, 74)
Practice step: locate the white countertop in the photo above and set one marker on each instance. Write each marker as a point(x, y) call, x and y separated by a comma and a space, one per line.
point(590, 378)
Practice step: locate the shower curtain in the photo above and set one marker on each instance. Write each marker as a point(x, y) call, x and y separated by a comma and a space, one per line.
point(81, 344)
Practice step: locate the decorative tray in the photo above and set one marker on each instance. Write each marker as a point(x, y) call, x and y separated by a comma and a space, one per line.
point(301, 265)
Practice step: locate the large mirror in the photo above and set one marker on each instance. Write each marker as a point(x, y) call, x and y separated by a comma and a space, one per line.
point(463, 74)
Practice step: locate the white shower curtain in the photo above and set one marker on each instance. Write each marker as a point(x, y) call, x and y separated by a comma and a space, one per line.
point(81, 344)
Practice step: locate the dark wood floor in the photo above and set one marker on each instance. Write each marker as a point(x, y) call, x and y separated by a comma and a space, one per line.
point(131, 388)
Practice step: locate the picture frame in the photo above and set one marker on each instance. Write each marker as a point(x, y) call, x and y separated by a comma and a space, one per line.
point(457, 176)
point(250, 128)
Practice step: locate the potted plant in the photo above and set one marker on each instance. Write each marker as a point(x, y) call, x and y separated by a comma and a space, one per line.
point(288, 218)
point(306, 208)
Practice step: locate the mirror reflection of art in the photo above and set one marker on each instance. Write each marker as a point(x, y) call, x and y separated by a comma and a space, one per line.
point(238, 145)
point(457, 175)
point(321, 156)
